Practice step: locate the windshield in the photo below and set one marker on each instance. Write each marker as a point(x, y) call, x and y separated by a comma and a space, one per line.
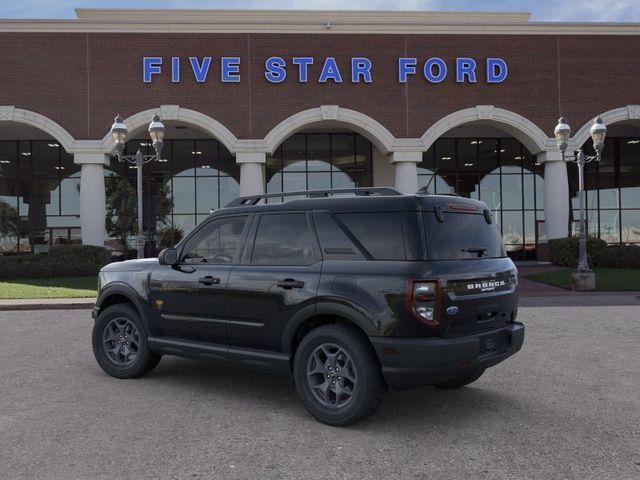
point(461, 236)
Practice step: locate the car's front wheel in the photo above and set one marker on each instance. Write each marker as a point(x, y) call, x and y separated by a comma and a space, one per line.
point(337, 375)
point(120, 343)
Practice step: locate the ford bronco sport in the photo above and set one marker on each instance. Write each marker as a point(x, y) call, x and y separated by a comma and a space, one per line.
point(349, 295)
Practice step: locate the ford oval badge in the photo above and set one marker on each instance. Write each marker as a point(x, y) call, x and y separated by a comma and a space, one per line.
point(452, 310)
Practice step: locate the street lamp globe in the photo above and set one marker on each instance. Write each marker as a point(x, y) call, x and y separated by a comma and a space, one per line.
point(562, 133)
point(598, 132)
point(119, 133)
point(156, 132)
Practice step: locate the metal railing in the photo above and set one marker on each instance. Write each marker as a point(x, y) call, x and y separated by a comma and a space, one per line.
point(360, 192)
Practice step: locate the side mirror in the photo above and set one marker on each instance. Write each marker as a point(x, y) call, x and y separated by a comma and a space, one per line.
point(168, 256)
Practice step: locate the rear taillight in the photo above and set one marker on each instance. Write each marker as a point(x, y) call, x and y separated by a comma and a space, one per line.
point(423, 300)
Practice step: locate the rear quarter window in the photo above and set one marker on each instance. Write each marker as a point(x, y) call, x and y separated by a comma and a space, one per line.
point(380, 234)
point(461, 236)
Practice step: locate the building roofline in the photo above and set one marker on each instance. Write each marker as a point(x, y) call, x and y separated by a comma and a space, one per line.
point(310, 21)
point(287, 16)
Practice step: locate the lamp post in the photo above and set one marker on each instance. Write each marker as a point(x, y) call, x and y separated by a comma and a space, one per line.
point(119, 133)
point(598, 132)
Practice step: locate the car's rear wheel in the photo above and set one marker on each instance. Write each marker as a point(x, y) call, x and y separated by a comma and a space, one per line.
point(337, 375)
point(120, 343)
point(461, 381)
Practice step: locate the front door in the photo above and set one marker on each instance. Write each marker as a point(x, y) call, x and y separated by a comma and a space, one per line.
point(277, 277)
point(189, 298)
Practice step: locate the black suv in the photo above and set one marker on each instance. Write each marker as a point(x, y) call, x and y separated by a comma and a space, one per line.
point(348, 294)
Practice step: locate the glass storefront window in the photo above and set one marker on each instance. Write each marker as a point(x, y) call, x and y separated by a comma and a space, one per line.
point(630, 222)
point(39, 196)
point(512, 191)
point(319, 161)
point(193, 178)
point(612, 191)
point(498, 171)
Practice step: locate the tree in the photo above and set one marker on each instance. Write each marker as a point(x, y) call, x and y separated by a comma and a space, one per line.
point(8, 220)
point(168, 237)
point(9, 226)
point(122, 209)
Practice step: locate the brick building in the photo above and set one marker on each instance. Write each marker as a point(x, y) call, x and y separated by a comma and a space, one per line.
point(277, 101)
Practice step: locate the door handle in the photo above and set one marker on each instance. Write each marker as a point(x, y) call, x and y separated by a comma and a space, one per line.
point(289, 283)
point(209, 280)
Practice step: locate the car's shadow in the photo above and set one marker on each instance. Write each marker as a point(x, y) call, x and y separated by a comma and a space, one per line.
point(277, 392)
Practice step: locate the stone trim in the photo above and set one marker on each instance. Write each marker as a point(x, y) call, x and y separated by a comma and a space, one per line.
point(319, 22)
point(175, 112)
point(11, 113)
point(531, 136)
point(621, 114)
point(378, 134)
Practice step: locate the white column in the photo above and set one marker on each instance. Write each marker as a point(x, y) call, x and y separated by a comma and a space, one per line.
point(556, 194)
point(406, 165)
point(251, 172)
point(92, 197)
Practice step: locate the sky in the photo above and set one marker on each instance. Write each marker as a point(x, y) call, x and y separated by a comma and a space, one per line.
point(542, 10)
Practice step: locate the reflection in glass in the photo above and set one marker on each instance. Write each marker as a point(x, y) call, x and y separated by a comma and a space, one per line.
point(435, 185)
point(39, 196)
point(610, 226)
point(193, 177)
point(630, 222)
point(612, 190)
point(512, 231)
point(530, 228)
point(512, 191)
point(319, 161)
point(497, 171)
point(630, 196)
point(206, 194)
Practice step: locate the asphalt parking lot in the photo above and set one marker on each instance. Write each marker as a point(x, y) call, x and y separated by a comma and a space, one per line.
point(567, 406)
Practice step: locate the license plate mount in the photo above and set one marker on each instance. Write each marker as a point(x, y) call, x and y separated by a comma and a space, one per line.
point(491, 344)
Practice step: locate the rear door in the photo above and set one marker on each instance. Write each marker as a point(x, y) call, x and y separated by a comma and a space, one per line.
point(277, 277)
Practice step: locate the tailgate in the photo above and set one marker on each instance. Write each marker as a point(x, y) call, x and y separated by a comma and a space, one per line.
point(478, 301)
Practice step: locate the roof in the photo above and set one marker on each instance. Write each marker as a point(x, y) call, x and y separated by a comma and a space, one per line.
point(311, 21)
point(363, 204)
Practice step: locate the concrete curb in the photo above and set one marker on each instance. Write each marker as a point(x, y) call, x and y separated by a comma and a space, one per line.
point(47, 304)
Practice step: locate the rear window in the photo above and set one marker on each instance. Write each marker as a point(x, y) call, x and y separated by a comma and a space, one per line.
point(379, 233)
point(462, 236)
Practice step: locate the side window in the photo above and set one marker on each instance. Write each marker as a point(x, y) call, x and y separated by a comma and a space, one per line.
point(380, 233)
point(217, 242)
point(283, 239)
point(335, 244)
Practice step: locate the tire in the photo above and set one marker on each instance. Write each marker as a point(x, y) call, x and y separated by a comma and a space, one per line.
point(133, 357)
point(460, 382)
point(360, 384)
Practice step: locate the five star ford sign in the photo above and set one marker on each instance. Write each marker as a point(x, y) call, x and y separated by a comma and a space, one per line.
point(361, 69)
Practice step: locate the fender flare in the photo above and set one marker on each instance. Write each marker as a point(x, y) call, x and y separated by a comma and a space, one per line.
point(345, 311)
point(120, 288)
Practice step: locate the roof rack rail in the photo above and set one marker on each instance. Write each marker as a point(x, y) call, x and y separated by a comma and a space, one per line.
point(360, 192)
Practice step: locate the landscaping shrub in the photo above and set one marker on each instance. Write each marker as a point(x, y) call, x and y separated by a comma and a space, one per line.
point(61, 261)
point(619, 256)
point(565, 252)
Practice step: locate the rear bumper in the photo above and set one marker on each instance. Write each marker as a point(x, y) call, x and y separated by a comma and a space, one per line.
point(416, 362)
